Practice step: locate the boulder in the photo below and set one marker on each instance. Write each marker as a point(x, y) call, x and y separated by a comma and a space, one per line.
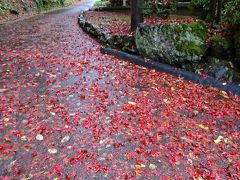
point(123, 42)
point(221, 69)
point(182, 45)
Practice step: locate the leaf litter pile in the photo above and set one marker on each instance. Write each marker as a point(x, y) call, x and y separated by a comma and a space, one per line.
point(68, 111)
point(115, 22)
point(119, 23)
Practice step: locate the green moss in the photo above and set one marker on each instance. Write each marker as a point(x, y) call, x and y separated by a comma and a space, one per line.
point(190, 37)
point(191, 48)
point(101, 2)
point(176, 44)
point(46, 5)
point(220, 40)
point(200, 29)
point(177, 29)
point(4, 7)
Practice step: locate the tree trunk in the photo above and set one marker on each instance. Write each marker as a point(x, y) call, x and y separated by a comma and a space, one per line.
point(136, 14)
point(124, 2)
point(219, 11)
point(213, 9)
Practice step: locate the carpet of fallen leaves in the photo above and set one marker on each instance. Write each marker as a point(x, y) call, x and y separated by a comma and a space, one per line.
point(118, 22)
point(68, 112)
point(115, 22)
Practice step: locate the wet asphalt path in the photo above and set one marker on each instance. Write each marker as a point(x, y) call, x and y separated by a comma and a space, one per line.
point(67, 111)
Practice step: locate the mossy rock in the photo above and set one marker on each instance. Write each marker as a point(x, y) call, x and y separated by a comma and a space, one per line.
point(14, 11)
point(123, 42)
point(221, 69)
point(182, 45)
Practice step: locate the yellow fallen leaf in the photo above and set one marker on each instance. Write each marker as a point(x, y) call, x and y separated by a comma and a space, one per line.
point(224, 94)
point(52, 151)
point(138, 169)
point(198, 178)
point(6, 119)
point(203, 127)
point(138, 166)
point(24, 138)
point(231, 64)
point(145, 93)
point(219, 139)
point(132, 103)
point(166, 101)
point(152, 166)
point(2, 90)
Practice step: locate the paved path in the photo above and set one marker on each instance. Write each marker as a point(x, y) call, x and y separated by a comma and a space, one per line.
point(68, 111)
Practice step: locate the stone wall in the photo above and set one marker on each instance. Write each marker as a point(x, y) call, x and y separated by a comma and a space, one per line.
point(122, 42)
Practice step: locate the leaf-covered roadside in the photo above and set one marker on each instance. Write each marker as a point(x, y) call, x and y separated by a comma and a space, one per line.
point(116, 22)
point(68, 111)
point(11, 9)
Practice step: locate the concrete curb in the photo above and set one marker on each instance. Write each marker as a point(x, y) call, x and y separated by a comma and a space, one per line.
point(209, 81)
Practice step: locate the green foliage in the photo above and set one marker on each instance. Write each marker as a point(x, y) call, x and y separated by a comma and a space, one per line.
point(4, 7)
point(101, 2)
point(147, 10)
point(232, 12)
point(8, 8)
point(202, 6)
point(47, 4)
point(26, 6)
point(161, 8)
point(220, 40)
point(200, 29)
